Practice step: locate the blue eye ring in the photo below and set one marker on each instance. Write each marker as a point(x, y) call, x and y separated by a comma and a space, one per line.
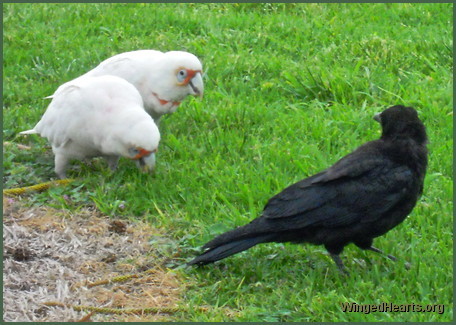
point(133, 151)
point(182, 75)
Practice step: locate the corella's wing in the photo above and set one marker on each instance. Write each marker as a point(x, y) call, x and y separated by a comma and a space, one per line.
point(131, 66)
point(106, 109)
point(162, 79)
point(84, 109)
point(62, 115)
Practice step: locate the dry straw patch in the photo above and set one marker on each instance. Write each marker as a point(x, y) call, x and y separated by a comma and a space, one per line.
point(59, 256)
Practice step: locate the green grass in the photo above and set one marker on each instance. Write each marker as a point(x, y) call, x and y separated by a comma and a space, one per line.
point(290, 89)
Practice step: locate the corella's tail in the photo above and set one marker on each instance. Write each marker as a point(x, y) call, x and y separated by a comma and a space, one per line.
point(28, 132)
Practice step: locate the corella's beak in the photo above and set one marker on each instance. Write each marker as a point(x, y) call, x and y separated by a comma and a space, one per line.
point(147, 163)
point(378, 117)
point(197, 85)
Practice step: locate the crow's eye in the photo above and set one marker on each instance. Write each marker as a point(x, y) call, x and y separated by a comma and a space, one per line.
point(181, 75)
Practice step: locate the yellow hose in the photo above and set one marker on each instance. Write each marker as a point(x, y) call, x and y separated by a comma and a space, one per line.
point(120, 278)
point(119, 311)
point(38, 187)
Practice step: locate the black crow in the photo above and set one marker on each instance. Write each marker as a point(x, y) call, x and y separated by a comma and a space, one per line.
point(362, 196)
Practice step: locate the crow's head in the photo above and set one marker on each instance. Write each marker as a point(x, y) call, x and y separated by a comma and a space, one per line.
point(401, 122)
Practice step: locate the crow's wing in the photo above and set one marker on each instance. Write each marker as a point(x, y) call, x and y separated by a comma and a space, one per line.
point(358, 188)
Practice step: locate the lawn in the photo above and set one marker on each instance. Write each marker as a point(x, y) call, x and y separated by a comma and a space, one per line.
point(289, 89)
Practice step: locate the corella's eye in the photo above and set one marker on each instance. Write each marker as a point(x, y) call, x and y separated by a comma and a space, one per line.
point(181, 75)
point(133, 152)
point(137, 153)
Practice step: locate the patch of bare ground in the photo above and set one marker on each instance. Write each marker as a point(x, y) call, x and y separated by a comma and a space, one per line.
point(77, 259)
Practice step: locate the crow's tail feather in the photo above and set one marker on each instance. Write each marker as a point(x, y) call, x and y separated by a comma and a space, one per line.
point(228, 249)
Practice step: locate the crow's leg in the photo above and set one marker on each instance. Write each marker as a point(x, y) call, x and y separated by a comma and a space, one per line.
point(367, 245)
point(334, 251)
point(391, 257)
point(339, 263)
point(374, 249)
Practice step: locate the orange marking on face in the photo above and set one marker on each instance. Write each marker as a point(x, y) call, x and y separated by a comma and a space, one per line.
point(164, 101)
point(142, 153)
point(190, 74)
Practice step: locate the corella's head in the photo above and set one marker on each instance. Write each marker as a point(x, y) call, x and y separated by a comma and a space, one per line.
point(188, 72)
point(141, 144)
point(182, 76)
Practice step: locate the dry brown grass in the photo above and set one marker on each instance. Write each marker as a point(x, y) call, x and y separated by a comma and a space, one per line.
point(79, 259)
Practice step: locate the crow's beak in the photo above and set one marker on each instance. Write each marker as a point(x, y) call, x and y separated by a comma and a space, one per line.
point(197, 85)
point(378, 118)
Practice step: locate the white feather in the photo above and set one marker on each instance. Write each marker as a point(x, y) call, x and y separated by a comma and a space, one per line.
point(154, 74)
point(96, 116)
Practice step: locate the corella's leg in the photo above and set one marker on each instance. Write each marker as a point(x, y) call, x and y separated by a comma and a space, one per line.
point(112, 162)
point(61, 165)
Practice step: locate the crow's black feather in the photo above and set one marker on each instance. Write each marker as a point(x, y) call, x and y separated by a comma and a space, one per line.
point(362, 196)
